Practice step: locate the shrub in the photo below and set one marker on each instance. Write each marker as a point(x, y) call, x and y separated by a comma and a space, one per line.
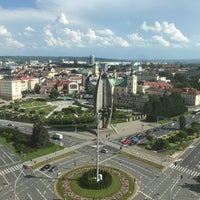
point(88, 180)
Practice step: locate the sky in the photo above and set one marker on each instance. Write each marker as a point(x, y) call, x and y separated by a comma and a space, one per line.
point(120, 29)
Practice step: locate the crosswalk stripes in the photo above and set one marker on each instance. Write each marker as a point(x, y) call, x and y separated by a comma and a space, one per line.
point(185, 170)
point(11, 169)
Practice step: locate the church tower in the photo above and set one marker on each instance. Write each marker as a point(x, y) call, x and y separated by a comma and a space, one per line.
point(132, 83)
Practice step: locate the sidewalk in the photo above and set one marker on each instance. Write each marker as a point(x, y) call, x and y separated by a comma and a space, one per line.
point(106, 136)
point(57, 153)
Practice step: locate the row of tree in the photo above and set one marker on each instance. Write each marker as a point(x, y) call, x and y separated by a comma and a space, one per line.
point(165, 106)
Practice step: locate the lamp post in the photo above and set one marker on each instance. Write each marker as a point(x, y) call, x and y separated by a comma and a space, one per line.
point(98, 117)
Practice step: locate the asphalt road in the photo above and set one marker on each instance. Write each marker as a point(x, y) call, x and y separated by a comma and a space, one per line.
point(152, 184)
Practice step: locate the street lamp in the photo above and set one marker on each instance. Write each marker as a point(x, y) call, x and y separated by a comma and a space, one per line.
point(97, 118)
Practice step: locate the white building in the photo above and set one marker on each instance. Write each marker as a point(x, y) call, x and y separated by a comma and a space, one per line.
point(10, 89)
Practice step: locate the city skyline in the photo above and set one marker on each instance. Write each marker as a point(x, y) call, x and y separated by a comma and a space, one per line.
point(128, 29)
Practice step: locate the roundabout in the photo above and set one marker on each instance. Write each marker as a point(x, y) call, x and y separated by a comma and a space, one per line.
point(68, 185)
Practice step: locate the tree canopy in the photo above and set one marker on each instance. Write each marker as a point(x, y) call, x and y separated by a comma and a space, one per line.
point(40, 136)
point(54, 94)
point(165, 106)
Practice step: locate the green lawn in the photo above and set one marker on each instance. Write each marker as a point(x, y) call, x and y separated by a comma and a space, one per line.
point(112, 189)
point(31, 106)
point(31, 155)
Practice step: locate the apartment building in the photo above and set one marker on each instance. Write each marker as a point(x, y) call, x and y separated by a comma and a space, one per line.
point(10, 89)
point(191, 96)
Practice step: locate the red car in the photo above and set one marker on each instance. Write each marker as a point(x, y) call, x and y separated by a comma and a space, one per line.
point(127, 141)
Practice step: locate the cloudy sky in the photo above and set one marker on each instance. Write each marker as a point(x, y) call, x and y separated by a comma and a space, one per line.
point(125, 29)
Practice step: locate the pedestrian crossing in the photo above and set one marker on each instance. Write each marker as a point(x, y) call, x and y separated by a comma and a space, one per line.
point(11, 169)
point(185, 170)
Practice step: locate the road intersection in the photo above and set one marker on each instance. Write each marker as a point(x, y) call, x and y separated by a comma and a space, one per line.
point(25, 184)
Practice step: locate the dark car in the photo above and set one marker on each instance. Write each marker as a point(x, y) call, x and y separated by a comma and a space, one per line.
point(53, 168)
point(104, 151)
point(45, 167)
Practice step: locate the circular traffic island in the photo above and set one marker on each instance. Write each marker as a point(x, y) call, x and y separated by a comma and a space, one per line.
point(81, 183)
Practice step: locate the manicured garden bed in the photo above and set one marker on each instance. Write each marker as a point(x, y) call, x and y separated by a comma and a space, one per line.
point(122, 186)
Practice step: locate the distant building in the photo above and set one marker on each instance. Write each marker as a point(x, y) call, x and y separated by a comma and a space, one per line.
point(92, 60)
point(191, 96)
point(153, 87)
point(10, 89)
point(126, 86)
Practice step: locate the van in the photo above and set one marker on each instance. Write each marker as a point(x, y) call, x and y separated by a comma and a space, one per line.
point(57, 136)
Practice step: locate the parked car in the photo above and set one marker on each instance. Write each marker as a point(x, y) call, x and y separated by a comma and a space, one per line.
point(45, 167)
point(53, 168)
point(134, 139)
point(127, 141)
point(104, 151)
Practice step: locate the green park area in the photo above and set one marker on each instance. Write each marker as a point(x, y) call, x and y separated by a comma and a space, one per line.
point(26, 111)
point(119, 185)
point(173, 142)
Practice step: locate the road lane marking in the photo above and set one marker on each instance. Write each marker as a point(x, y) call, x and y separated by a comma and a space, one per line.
point(145, 195)
point(185, 170)
point(29, 196)
point(41, 194)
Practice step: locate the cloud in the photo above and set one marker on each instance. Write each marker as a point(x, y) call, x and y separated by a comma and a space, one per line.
point(62, 19)
point(54, 41)
point(76, 36)
point(157, 27)
point(136, 39)
point(10, 42)
point(4, 31)
point(106, 31)
point(167, 29)
point(91, 34)
point(106, 37)
point(7, 39)
point(175, 34)
point(121, 42)
point(28, 31)
point(161, 40)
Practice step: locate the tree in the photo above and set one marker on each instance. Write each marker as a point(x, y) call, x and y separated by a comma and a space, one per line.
point(40, 136)
point(160, 144)
point(166, 106)
point(182, 122)
point(182, 135)
point(37, 88)
point(54, 94)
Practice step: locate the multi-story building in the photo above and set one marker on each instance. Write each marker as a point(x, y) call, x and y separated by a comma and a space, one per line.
point(126, 86)
point(10, 89)
point(191, 96)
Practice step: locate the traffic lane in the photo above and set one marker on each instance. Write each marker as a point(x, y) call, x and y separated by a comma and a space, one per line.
point(32, 186)
point(7, 156)
point(67, 141)
point(138, 168)
point(191, 157)
point(11, 175)
point(24, 127)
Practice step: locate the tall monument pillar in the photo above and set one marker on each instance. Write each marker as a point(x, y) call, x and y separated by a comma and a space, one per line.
point(103, 100)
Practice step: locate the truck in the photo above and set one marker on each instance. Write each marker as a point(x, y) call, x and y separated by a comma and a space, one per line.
point(57, 136)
